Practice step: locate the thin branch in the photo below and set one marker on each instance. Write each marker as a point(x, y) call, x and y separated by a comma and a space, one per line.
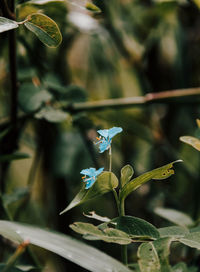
point(6, 11)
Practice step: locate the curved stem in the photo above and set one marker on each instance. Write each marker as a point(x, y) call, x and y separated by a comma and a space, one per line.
point(110, 159)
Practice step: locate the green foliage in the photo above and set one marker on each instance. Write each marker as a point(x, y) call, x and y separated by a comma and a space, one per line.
point(126, 174)
point(44, 28)
point(14, 156)
point(52, 115)
point(7, 24)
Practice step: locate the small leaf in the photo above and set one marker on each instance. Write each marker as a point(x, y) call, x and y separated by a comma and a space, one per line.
point(126, 174)
point(92, 7)
point(136, 227)
point(194, 142)
point(44, 28)
point(109, 235)
point(14, 156)
point(105, 183)
point(93, 215)
point(176, 217)
point(31, 97)
point(52, 115)
point(174, 232)
point(153, 256)
point(7, 24)
point(69, 248)
point(191, 240)
point(156, 174)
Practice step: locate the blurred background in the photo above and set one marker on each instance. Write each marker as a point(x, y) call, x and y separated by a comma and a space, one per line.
point(127, 49)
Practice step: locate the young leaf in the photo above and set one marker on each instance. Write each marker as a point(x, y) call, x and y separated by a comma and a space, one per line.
point(156, 174)
point(84, 255)
point(194, 142)
point(136, 227)
point(126, 174)
point(108, 235)
point(153, 256)
point(44, 28)
point(105, 183)
point(7, 24)
point(191, 240)
point(173, 231)
point(176, 217)
point(92, 7)
point(93, 215)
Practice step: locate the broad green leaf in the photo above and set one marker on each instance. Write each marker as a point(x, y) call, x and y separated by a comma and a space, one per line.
point(156, 174)
point(31, 97)
point(92, 7)
point(126, 174)
point(7, 24)
point(176, 217)
point(105, 183)
point(191, 240)
point(136, 227)
point(108, 235)
point(93, 215)
point(182, 267)
point(86, 256)
point(153, 256)
point(52, 115)
point(194, 142)
point(14, 156)
point(44, 28)
point(174, 231)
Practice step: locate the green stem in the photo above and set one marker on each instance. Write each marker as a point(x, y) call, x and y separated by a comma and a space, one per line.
point(123, 247)
point(110, 159)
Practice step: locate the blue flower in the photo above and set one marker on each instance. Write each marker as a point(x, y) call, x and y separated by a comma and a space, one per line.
point(92, 174)
point(106, 136)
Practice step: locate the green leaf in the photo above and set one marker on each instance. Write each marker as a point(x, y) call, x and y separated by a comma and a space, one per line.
point(176, 217)
point(44, 28)
point(86, 256)
point(31, 97)
point(11, 269)
point(182, 267)
point(52, 115)
point(194, 142)
point(156, 174)
point(191, 240)
point(153, 256)
point(14, 156)
point(7, 24)
point(4, 133)
point(93, 215)
point(109, 235)
point(136, 227)
point(174, 231)
point(105, 183)
point(126, 174)
point(92, 7)
point(13, 197)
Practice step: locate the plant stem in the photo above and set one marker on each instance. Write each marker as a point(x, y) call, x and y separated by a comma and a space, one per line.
point(123, 247)
point(110, 159)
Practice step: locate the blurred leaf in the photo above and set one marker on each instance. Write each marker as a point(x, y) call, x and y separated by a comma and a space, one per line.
point(43, 2)
point(31, 97)
point(44, 28)
point(7, 24)
point(52, 115)
point(105, 183)
point(109, 235)
point(26, 267)
point(194, 142)
point(86, 256)
point(4, 133)
point(176, 217)
point(18, 194)
point(153, 256)
point(136, 227)
point(191, 240)
point(93, 215)
point(14, 156)
point(126, 174)
point(182, 267)
point(174, 231)
point(92, 7)
point(156, 174)
point(11, 269)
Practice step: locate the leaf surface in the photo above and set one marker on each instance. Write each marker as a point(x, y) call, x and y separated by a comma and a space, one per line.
point(7, 24)
point(126, 174)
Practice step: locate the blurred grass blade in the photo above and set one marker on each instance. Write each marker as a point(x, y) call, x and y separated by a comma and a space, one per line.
point(86, 256)
point(14, 156)
point(44, 28)
point(194, 142)
point(7, 24)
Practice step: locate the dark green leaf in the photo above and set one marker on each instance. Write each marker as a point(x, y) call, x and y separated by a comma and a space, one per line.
point(105, 183)
point(44, 28)
point(126, 174)
point(86, 256)
point(136, 227)
point(14, 156)
point(7, 24)
point(109, 235)
point(176, 217)
point(156, 174)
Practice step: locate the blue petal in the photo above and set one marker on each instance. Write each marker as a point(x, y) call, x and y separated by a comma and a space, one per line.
point(99, 171)
point(113, 131)
point(88, 172)
point(90, 183)
point(105, 145)
point(103, 132)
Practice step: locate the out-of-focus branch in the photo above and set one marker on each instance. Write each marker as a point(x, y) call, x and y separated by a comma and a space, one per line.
point(6, 11)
